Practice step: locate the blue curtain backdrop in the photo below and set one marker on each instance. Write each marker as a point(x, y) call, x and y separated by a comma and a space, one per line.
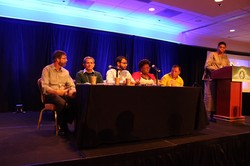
point(26, 47)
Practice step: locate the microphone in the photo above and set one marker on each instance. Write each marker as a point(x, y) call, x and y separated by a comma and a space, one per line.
point(156, 69)
point(114, 67)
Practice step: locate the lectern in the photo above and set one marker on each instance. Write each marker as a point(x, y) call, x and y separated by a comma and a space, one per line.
point(229, 92)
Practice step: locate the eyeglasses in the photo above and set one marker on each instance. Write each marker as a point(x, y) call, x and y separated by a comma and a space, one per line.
point(124, 63)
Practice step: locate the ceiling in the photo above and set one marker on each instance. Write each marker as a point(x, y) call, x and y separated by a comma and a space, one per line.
point(205, 20)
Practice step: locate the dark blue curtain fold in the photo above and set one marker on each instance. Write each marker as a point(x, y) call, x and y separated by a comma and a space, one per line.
point(26, 47)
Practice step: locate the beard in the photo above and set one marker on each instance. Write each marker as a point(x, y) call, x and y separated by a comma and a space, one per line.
point(123, 68)
point(62, 64)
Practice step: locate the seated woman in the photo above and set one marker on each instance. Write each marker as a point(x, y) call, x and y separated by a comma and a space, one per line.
point(143, 77)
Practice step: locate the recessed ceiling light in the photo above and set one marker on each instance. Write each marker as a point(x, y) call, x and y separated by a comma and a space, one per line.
point(232, 30)
point(151, 9)
point(218, 0)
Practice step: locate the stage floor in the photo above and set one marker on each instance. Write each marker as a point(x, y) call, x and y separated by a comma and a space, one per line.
point(21, 143)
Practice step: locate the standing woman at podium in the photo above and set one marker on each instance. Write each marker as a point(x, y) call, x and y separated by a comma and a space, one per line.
point(214, 61)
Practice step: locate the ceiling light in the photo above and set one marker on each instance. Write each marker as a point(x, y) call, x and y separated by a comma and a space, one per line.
point(151, 9)
point(232, 30)
point(218, 0)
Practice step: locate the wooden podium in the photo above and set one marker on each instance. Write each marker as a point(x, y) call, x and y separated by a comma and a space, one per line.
point(229, 92)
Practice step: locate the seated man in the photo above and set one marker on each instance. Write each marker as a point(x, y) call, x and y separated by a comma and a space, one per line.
point(83, 76)
point(121, 72)
point(143, 76)
point(173, 78)
point(59, 89)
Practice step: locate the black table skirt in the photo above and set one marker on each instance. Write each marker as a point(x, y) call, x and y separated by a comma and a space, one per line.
point(112, 114)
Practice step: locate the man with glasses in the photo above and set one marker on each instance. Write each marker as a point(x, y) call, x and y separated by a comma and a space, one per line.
point(214, 61)
point(119, 72)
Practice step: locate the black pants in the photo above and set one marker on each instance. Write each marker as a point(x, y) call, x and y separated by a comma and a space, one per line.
point(65, 108)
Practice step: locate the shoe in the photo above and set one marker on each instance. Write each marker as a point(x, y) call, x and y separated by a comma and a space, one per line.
point(62, 133)
point(63, 130)
point(212, 119)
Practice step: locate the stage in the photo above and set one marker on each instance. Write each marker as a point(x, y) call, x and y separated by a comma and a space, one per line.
point(221, 143)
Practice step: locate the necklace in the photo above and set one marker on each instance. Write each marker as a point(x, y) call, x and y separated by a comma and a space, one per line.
point(145, 76)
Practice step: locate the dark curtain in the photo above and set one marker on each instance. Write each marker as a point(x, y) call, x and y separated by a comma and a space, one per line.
point(26, 47)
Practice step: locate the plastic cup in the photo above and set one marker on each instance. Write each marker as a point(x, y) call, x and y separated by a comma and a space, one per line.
point(93, 80)
point(117, 81)
point(128, 81)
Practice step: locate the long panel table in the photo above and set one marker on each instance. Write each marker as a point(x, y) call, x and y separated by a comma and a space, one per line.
point(115, 114)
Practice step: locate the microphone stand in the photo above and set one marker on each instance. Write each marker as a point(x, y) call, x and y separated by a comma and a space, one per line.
point(156, 77)
point(116, 73)
point(117, 80)
point(156, 74)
